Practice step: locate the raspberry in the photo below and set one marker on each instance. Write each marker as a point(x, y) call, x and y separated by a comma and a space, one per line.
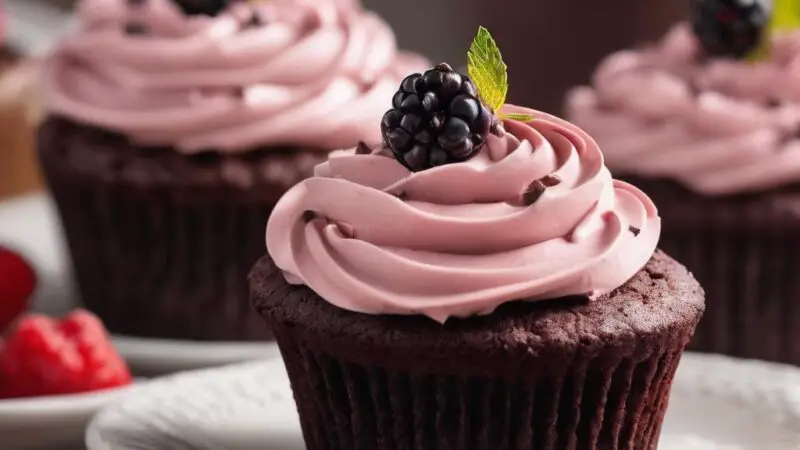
point(203, 7)
point(437, 119)
point(17, 283)
point(730, 28)
point(42, 356)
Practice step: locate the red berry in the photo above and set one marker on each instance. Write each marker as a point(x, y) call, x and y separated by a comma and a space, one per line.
point(43, 356)
point(17, 283)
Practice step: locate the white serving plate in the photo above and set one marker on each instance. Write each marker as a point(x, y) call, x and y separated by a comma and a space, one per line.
point(52, 422)
point(717, 403)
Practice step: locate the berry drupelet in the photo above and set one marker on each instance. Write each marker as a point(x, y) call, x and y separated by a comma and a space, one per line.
point(437, 118)
point(730, 28)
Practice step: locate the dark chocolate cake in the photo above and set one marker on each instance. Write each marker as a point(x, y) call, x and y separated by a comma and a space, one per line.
point(162, 243)
point(543, 375)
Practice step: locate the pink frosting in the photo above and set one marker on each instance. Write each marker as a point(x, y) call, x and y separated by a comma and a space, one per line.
point(718, 126)
point(2, 21)
point(461, 239)
point(316, 73)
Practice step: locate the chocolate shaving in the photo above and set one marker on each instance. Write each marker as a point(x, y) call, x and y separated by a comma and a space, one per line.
point(774, 102)
point(534, 191)
point(135, 28)
point(537, 188)
point(309, 215)
point(255, 20)
point(634, 230)
point(363, 149)
point(551, 180)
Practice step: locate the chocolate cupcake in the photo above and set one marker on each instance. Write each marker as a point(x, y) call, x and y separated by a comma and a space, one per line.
point(487, 285)
point(175, 126)
point(706, 122)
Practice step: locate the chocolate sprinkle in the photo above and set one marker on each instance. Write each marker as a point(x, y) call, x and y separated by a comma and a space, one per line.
point(551, 180)
point(537, 188)
point(309, 215)
point(634, 230)
point(363, 149)
point(255, 20)
point(774, 102)
point(135, 28)
point(534, 191)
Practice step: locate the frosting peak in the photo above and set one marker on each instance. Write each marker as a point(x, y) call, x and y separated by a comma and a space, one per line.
point(718, 126)
point(536, 215)
point(284, 72)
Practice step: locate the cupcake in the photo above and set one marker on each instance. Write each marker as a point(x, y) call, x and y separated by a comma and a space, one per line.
point(706, 122)
point(175, 126)
point(478, 280)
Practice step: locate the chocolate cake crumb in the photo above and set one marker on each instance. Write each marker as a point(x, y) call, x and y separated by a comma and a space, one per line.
point(363, 149)
point(255, 20)
point(309, 215)
point(534, 191)
point(135, 29)
point(551, 180)
point(537, 188)
point(773, 102)
point(634, 230)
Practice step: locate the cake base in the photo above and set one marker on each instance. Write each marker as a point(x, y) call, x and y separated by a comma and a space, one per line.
point(162, 242)
point(744, 250)
point(561, 374)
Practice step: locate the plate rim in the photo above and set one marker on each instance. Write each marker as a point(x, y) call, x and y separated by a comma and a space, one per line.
point(172, 355)
point(785, 384)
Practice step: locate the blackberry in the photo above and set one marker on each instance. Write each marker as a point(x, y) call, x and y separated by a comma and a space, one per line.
point(203, 7)
point(730, 28)
point(437, 118)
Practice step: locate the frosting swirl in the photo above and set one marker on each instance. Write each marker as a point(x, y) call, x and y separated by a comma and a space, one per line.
point(311, 73)
point(536, 215)
point(717, 126)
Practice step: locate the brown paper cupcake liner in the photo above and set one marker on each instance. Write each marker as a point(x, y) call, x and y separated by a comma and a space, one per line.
point(161, 243)
point(744, 250)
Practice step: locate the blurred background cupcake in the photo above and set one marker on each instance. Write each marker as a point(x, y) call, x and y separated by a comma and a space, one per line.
point(706, 121)
point(174, 126)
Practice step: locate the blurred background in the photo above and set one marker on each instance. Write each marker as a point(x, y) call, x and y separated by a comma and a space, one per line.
point(549, 46)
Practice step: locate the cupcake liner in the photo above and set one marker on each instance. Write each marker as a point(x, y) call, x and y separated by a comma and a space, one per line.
point(744, 250)
point(596, 404)
point(159, 247)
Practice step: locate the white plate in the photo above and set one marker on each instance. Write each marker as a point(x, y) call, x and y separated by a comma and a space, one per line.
point(717, 403)
point(30, 225)
point(52, 422)
point(160, 356)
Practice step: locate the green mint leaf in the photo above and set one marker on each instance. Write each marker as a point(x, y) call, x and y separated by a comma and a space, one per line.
point(517, 117)
point(487, 69)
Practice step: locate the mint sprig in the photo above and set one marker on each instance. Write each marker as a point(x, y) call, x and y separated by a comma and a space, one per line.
point(490, 74)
